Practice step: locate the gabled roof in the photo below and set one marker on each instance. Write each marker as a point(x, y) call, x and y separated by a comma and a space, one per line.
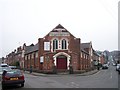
point(85, 45)
point(60, 28)
point(96, 53)
point(31, 48)
point(82, 50)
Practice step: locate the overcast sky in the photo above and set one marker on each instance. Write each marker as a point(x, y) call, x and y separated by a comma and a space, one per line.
point(24, 21)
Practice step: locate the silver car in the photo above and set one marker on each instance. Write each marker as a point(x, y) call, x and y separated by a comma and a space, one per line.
point(4, 65)
point(2, 69)
point(117, 67)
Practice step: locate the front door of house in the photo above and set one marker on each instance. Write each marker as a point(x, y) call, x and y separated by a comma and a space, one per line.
point(62, 62)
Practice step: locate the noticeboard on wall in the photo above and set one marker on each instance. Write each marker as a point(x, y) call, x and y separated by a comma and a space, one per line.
point(41, 59)
point(47, 46)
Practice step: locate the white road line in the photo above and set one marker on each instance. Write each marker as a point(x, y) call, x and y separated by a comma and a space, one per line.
point(73, 84)
point(76, 87)
point(111, 75)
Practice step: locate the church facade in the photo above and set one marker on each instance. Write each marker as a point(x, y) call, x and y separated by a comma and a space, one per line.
point(60, 49)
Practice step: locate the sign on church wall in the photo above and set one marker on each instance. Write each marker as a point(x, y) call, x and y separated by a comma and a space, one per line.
point(41, 59)
point(47, 46)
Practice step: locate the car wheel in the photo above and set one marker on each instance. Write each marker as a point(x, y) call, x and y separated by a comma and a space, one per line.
point(22, 85)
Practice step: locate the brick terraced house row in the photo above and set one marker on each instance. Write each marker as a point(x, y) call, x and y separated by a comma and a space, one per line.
point(59, 50)
point(31, 57)
point(16, 56)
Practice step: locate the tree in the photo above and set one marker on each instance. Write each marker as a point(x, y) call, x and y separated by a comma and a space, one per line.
point(17, 64)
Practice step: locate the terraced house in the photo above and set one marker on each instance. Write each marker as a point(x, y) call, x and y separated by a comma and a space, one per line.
point(59, 50)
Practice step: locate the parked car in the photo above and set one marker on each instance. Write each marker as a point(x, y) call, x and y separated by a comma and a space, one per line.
point(105, 66)
point(13, 67)
point(2, 69)
point(12, 77)
point(119, 70)
point(117, 67)
point(108, 63)
point(4, 65)
point(114, 64)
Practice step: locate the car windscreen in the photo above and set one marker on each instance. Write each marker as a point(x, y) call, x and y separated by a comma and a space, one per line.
point(13, 73)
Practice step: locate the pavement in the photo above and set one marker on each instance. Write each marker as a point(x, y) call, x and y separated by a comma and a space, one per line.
point(61, 74)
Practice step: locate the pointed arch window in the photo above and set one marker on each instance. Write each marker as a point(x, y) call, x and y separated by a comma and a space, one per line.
point(64, 44)
point(55, 44)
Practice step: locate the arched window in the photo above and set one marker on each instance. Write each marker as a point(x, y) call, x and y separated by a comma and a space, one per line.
point(55, 44)
point(64, 44)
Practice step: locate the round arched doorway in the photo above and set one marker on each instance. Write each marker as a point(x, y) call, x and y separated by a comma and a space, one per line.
point(61, 62)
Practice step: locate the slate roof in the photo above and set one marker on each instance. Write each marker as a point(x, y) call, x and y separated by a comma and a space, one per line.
point(95, 53)
point(31, 48)
point(59, 26)
point(85, 45)
point(84, 51)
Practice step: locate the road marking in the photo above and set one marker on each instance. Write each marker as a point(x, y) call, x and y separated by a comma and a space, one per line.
point(97, 72)
point(111, 75)
point(73, 84)
point(76, 87)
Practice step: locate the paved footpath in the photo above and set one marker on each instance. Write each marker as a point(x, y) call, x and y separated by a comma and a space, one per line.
point(60, 74)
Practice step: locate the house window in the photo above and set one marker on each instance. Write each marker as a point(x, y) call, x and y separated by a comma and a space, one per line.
point(32, 55)
point(55, 44)
point(26, 57)
point(34, 61)
point(84, 55)
point(29, 56)
point(23, 53)
point(27, 61)
point(36, 55)
point(81, 54)
point(64, 44)
point(87, 56)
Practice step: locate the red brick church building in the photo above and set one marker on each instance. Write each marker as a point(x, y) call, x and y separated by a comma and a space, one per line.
point(58, 48)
